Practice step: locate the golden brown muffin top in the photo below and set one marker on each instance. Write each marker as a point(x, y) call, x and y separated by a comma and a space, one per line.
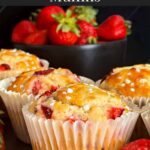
point(80, 102)
point(39, 82)
point(133, 81)
point(18, 60)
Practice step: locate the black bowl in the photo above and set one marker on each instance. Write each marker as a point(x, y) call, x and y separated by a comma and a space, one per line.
point(92, 61)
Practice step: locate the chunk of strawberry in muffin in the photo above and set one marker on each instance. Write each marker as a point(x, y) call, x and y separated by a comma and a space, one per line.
point(44, 72)
point(115, 112)
point(4, 67)
point(36, 87)
point(47, 111)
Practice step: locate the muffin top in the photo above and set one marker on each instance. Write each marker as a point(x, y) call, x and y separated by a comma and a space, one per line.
point(79, 101)
point(133, 81)
point(12, 59)
point(43, 81)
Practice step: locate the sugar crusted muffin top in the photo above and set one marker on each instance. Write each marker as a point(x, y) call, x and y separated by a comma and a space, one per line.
point(133, 81)
point(80, 101)
point(40, 82)
point(12, 59)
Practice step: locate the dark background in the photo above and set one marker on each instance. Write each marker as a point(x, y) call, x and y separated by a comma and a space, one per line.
point(138, 50)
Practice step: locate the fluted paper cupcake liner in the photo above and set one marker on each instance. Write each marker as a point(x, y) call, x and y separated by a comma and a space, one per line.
point(86, 80)
point(139, 104)
point(146, 119)
point(47, 134)
point(14, 103)
point(97, 83)
point(15, 73)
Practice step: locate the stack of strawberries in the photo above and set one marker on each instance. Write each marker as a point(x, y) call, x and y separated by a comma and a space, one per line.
point(77, 25)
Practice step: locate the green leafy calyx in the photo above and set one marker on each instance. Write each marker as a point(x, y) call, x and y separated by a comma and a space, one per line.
point(87, 13)
point(66, 23)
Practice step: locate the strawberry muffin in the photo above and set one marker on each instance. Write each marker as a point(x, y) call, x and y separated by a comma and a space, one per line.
point(132, 82)
point(77, 117)
point(28, 86)
point(13, 62)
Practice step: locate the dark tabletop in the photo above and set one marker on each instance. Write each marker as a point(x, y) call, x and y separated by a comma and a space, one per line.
point(12, 143)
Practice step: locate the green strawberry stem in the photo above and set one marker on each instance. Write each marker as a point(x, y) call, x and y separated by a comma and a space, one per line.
point(128, 25)
point(92, 40)
point(33, 15)
point(87, 13)
point(66, 23)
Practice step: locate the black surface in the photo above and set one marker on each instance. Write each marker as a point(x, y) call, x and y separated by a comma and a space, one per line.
point(93, 61)
point(12, 143)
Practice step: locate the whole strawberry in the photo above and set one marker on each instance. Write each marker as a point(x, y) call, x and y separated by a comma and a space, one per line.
point(45, 19)
point(141, 144)
point(88, 33)
point(113, 28)
point(37, 38)
point(22, 30)
point(64, 31)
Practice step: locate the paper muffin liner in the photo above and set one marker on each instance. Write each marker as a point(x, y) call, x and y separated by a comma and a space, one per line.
point(86, 80)
point(14, 103)
point(146, 119)
point(97, 83)
point(139, 104)
point(55, 134)
point(15, 73)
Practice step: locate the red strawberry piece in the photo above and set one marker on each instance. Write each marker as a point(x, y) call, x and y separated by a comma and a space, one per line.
point(72, 119)
point(37, 38)
point(113, 28)
point(53, 88)
point(88, 33)
point(44, 72)
point(36, 87)
point(4, 67)
point(60, 37)
point(45, 19)
point(22, 30)
point(41, 64)
point(49, 93)
point(47, 111)
point(114, 112)
point(141, 144)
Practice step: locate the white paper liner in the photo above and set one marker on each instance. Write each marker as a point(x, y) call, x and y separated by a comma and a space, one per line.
point(14, 103)
point(97, 83)
point(146, 119)
point(46, 134)
point(15, 73)
point(139, 104)
point(86, 80)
